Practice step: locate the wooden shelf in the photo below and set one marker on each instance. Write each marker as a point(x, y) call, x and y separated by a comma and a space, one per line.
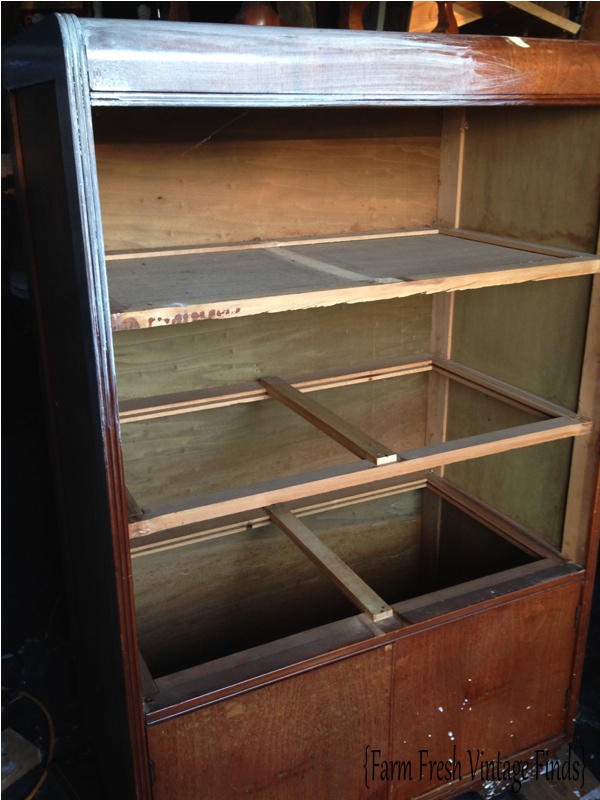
point(185, 285)
point(551, 422)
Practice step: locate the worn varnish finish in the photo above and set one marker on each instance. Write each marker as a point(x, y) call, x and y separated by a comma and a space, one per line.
point(246, 745)
point(129, 64)
point(454, 696)
point(298, 236)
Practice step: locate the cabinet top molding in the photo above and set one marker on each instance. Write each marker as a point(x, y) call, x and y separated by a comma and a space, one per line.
point(131, 62)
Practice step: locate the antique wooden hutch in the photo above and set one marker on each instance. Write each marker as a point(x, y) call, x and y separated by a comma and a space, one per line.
point(319, 326)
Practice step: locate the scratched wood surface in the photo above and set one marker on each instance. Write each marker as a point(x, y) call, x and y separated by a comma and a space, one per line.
point(231, 176)
point(495, 681)
point(222, 596)
point(153, 290)
point(295, 739)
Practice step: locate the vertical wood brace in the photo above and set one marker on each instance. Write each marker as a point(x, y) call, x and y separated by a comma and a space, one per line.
point(585, 448)
point(452, 155)
point(438, 387)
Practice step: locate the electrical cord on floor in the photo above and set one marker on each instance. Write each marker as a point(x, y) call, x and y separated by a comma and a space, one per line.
point(52, 737)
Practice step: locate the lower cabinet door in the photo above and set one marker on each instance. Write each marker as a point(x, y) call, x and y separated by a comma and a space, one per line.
point(301, 738)
point(441, 707)
point(473, 692)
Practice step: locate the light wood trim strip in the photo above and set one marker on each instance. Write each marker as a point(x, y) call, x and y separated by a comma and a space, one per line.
point(586, 452)
point(125, 255)
point(500, 389)
point(329, 422)
point(358, 474)
point(347, 581)
point(166, 405)
point(201, 532)
point(515, 244)
point(497, 441)
point(322, 298)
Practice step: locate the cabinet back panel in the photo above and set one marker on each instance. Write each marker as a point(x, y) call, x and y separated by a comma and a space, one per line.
point(207, 451)
point(206, 600)
point(190, 177)
point(533, 174)
point(218, 352)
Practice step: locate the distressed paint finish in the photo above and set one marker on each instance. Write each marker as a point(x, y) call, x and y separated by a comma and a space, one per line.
point(170, 63)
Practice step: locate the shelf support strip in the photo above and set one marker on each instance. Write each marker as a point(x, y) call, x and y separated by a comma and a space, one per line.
point(347, 581)
point(329, 422)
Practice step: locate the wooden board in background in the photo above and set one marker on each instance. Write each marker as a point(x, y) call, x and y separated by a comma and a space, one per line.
point(528, 485)
point(521, 328)
point(206, 451)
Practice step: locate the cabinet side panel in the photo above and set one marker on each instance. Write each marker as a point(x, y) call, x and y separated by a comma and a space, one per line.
point(83, 437)
point(531, 335)
point(292, 740)
point(241, 175)
point(528, 485)
point(494, 682)
point(533, 174)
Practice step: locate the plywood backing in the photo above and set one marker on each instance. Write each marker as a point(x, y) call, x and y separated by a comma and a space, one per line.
point(223, 351)
point(186, 177)
point(206, 451)
point(533, 174)
point(206, 600)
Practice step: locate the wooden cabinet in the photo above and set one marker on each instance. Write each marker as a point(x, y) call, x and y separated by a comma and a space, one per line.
point(319, 320)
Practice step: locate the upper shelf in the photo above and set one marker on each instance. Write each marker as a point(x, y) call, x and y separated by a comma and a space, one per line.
point(185, 285)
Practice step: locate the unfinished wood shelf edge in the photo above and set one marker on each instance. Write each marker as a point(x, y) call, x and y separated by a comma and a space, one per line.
point(172, 515)
point(255, 519)
point(349, 286)
point(330, 423)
